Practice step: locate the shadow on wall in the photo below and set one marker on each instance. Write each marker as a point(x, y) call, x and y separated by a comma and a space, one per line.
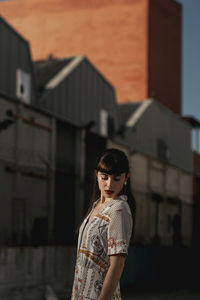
point(153, 267)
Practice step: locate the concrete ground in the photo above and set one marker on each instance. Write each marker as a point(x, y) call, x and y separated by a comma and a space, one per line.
point(181, 294)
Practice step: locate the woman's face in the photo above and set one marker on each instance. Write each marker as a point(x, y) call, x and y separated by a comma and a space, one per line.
point(110, 185)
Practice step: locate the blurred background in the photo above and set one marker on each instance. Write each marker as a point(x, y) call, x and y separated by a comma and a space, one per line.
point(77, 77)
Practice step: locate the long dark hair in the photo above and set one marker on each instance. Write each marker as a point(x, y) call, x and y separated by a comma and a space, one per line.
point(114, 162)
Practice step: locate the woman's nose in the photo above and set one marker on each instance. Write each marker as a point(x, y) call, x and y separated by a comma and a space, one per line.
point(109, 182)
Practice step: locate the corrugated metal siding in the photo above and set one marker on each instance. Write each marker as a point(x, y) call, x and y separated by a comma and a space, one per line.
point(14, 53)
point(65, 181)
point(26, 272)
point(94, 146)
point(127, 109)
point(25, 166)
point(161, 191)
point(81, 95)
point(176, 133)
point(45, 70)
point(160, 124)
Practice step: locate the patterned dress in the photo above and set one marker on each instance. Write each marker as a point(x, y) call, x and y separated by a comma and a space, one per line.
point(107, 233)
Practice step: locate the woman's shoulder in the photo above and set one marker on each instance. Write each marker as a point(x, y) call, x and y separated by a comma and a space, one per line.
point(119, 211)
point(119, 203)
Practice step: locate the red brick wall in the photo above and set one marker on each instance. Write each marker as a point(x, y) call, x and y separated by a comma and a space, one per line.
point(165, 53)
point(112, 34)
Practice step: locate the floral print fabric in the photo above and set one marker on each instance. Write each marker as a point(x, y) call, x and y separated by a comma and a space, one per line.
point(107, 233)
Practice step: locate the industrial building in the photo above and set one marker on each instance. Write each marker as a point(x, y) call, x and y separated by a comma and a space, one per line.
point(62, 113)
point(56, 116)
point(55, 119)
point(159, 143)
point(137, 43)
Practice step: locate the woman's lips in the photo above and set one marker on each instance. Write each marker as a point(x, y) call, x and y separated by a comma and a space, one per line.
point(109, 192)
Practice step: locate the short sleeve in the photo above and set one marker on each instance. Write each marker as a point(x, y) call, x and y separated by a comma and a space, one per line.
point(119, 229)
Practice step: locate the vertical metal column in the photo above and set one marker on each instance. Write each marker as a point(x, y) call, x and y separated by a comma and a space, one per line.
point(80, 176)
point(16, 176)
point(51, 181)
point(148, 200)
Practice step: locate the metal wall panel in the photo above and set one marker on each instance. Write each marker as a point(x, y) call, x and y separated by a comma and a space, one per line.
point(159, 124)
point(26, 157)
point(80, 97)
point(95, 145)
point(163, 196)
point(65, 181)
point(14, 54)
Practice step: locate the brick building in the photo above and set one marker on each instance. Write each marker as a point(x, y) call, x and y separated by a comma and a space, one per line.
point(136, 44)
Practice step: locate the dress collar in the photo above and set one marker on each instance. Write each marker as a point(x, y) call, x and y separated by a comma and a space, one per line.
point(120, 197)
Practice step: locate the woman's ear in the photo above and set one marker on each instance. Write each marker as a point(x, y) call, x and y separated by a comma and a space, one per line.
point(127, 176)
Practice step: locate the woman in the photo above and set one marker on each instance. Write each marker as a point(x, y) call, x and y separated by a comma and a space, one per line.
point(106, 231)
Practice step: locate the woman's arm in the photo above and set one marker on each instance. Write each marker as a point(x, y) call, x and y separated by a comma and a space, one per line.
point(112, 276)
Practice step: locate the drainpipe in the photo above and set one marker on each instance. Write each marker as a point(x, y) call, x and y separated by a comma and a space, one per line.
point(80, 174)
point(51, 181)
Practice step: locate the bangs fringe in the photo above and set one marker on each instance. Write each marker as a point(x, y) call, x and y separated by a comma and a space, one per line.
point(111, 170)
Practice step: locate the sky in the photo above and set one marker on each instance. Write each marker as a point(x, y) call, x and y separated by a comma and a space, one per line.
point(190, 57)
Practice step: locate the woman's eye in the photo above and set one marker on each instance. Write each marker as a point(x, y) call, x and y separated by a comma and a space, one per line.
point(117, 179)
point(104, 178)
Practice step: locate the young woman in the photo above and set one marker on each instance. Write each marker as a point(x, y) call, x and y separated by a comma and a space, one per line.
point(106, 231)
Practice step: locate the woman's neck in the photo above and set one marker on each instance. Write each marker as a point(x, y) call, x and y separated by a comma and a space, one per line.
point(104, 200)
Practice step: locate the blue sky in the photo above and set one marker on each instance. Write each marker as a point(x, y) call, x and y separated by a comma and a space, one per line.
point(191, 57)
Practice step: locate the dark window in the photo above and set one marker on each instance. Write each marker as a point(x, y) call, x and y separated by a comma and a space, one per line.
point(162, 150)
point(40, 232)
